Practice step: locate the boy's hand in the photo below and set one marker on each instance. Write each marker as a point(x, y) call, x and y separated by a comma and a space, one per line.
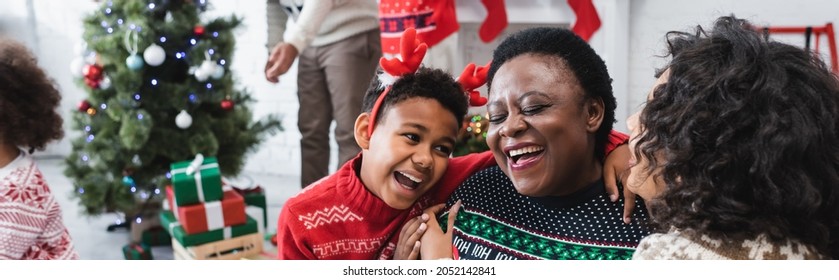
point(435, 243)
point(616, 170)
point(408, 247)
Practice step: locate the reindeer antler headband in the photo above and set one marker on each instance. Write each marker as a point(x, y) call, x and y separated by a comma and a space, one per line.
point(412, 52)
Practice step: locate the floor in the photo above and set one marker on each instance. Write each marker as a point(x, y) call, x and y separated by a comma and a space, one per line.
point(89, 234)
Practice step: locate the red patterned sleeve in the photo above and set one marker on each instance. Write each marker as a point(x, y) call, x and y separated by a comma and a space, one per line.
point(55, 241)
point(616, 138)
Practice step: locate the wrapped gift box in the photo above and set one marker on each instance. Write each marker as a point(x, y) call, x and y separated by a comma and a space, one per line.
point(168, 220)
point(196, 181)
point(201, 217)
point(255, 197)
point(248, 245)
point(136, 251)
point(156, 236)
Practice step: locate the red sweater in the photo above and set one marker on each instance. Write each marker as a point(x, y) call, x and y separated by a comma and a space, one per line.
point(337, 218)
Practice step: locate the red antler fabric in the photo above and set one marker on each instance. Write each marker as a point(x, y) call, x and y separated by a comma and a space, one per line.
point(412, 52)
point(472, 78)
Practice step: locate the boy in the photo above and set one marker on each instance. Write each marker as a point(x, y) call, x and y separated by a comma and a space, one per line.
point(406, 139)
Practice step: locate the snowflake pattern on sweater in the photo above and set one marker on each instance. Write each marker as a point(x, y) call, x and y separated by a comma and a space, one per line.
point(496, 222)
point(30, 219)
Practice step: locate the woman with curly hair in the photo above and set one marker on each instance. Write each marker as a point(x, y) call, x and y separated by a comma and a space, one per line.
point(736, 151)
point(30, 225)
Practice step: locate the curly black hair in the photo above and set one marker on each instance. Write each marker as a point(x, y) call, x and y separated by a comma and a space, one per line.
point(429, 83)
point(28, 99)
point(746, 131)
point(560, 43)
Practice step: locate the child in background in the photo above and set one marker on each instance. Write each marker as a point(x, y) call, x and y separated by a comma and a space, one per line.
point(407, 131)
point(31, 226)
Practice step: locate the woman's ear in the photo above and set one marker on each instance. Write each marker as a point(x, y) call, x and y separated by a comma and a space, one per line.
point(362, 138)
point(594, 114)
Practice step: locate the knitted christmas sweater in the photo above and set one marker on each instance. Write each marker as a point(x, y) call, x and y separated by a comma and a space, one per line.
point(30, 218)
point(434, 20)
point(338, 218)
point(496, 222)
point(676, 245)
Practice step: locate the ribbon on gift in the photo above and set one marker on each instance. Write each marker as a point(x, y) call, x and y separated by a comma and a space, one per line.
point(228, 232)
point(195, 167)
point(172, 227)
point(195, 164)
point(215, 215)
point(138, 248)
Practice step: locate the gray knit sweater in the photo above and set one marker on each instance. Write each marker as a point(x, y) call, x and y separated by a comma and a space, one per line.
point(676, 245)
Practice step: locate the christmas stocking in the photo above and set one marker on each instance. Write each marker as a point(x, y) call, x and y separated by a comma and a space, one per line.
point(496, 20)
point(587, 19)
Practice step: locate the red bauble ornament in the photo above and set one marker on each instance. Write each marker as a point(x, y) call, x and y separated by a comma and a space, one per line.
point(198, 30)
point(94, 84)
point(93, 72)
point(83, 106)
point(227, 104)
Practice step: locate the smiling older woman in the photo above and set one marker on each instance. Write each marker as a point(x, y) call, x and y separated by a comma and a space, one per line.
point(551, 110)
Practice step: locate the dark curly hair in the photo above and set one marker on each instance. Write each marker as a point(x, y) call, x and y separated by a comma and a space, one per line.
point(589, 69)
point(28, 99)
point(746, 129)
point(427, 83)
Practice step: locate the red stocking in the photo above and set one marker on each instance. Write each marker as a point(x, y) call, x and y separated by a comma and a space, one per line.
point(496, 20)
point(587, 19)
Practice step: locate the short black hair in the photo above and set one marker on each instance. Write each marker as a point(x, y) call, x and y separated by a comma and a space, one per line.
point(426, 83)
point(28, 99)
point(748, 130)
point(588, 68)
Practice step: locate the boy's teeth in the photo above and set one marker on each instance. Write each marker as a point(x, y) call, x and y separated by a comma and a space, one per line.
point(417, 180)
point(525, 150)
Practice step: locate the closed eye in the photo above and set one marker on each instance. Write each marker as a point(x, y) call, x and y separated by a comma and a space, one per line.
point(497, 119)
point(532, 110)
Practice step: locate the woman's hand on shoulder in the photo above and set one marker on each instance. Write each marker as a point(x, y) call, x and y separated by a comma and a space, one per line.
point(616, 171)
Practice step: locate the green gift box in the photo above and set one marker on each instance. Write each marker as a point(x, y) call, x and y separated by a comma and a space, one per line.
point(255, 197)
point(136, 251)
point(167, 219)
point(196, 181)
point(156, 236)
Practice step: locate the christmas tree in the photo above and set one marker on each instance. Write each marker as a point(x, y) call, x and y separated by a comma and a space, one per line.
point(159, 91)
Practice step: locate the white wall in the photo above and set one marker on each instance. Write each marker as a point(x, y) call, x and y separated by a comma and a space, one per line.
point(651, 19)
